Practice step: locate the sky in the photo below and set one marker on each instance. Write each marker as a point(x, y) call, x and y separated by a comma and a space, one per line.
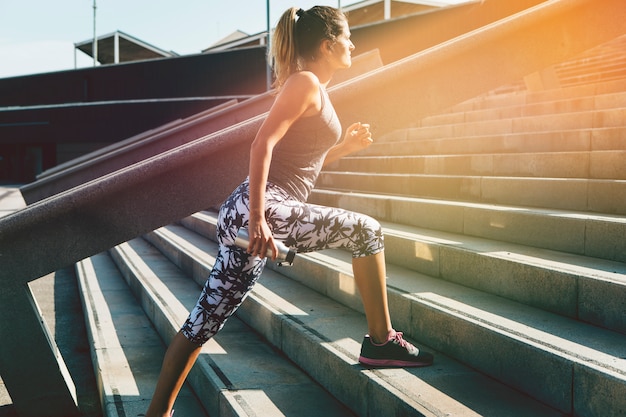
point(39, 35)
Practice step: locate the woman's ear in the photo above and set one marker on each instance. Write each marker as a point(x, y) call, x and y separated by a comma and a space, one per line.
point(326, 46)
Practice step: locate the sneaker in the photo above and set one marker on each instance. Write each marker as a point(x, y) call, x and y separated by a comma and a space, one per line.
point(395, 352)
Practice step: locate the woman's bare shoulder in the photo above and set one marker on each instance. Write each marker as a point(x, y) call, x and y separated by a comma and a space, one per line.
point(300, 93)
point(302, 80)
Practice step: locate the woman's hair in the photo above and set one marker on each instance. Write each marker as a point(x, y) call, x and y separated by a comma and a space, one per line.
point(297, 36)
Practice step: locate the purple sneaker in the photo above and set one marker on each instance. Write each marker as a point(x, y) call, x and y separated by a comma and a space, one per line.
point(395, 352)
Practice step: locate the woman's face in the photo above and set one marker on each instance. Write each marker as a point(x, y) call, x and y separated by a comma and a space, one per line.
point(342, 48)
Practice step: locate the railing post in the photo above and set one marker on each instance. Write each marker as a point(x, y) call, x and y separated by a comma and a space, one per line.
point(31, 367)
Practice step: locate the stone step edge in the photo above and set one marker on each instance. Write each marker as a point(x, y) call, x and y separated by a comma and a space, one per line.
point(536, 97)
point(522, 140)
point(576, 232)
point(546, 124)
point(470, 177)
point(98, 276)
point(277, 321)
point(577, 287)
point(208, 376)
point(540, 352)
point(449, 261)
point(589, 164)
point(603, 196)
point(584, 103)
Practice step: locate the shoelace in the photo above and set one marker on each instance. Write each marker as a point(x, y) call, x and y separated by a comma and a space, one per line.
point(399, 340)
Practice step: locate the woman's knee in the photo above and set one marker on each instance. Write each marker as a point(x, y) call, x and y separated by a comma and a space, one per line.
point(370, 240)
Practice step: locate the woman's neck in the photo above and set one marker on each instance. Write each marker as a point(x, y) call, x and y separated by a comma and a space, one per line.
point(321, 71)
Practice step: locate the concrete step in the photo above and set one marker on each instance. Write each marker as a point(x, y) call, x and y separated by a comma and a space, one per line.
point(323, 337)
point(519, 108)
point(603, 62)
point(126, 350)
point(237, 373)
point(533, 345)
point(595, 119)
point(578, 233)
point(401, 142)
point(590, 165)
point(578, 194)
point(545, 96)
point(581, 288)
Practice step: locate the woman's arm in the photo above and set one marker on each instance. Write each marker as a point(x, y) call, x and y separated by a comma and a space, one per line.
point(299, 97)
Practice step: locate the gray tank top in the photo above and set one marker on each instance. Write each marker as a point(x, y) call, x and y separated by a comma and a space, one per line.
point(298, 157)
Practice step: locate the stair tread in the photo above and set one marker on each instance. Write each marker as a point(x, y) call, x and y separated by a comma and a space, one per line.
point(580, 265)
point(555, 213)
point(464, 155)
point(340, 330)
point(411, 282)
point(530, 108)
point(563, 283)
point(126, 350)
point(564, 92)
point(579, 194)
point(456, 177)
point(246, 371)
point(601, 164)
point(572, 231)
point(579, 341)
point(585, 265)
point(555, 345)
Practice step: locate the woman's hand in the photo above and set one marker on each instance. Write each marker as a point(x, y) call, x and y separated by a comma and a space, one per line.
point(260, 238)
point(358, 136)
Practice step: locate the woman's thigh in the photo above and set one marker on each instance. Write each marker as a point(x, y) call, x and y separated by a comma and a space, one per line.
point(310, 227)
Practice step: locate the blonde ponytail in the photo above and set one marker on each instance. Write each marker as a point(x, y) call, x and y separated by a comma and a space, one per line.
point(283, 55)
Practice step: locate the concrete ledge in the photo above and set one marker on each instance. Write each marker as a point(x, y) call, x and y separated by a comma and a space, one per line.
point(409, 142)
point(126, 351)
point(511, 106)
point(323, 338)
point(510, 124)
point(588, 165)
point(529, 100)
point(550, 193)
point(10, 200)
point(535, 347)
point(87, 220)
point(572, 232)
point(533, 165)
point(237, 373)
point(586, 289)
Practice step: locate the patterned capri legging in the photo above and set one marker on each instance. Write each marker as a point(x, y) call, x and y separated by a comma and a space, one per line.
point(305, 227)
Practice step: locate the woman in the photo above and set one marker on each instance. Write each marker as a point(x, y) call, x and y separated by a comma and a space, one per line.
point(298, 137)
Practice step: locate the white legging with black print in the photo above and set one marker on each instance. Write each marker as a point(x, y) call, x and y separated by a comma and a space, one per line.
point(305, 227)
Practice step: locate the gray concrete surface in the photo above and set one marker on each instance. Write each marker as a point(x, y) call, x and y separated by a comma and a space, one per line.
point(57, 296)
point(10, 201)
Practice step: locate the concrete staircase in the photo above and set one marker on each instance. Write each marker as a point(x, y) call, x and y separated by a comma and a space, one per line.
point(505, 222)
